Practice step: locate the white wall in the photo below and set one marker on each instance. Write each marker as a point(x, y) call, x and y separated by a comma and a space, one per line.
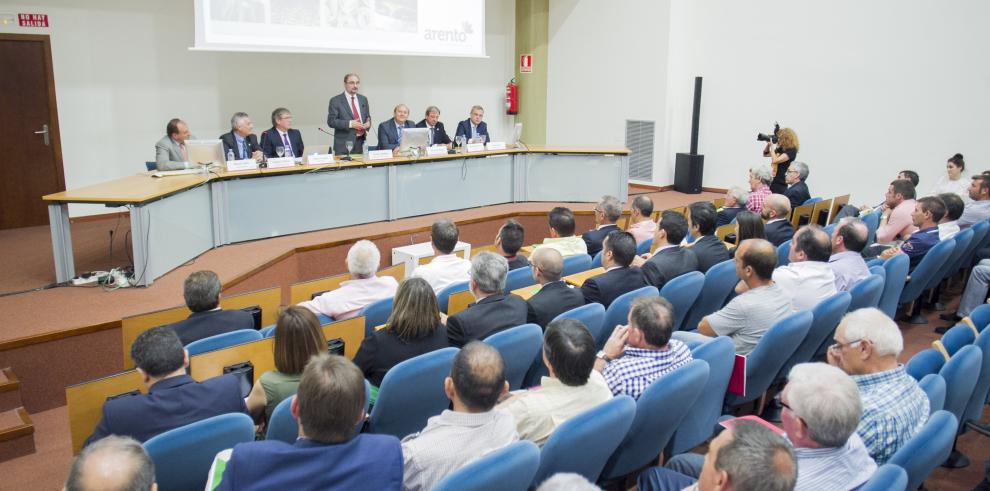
point(123, 69)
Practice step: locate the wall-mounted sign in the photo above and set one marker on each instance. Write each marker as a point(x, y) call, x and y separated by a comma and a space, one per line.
point(32, 20)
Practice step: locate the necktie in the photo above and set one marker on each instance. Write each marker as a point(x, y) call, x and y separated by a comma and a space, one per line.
point(288, 146)
point(430, 136)
point(240, 145)
point(474, 131)
point(398, 131)
point(185, 156)
point(357, 116)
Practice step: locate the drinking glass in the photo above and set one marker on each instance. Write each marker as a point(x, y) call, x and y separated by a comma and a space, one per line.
point(280, 151)
point(349, 145)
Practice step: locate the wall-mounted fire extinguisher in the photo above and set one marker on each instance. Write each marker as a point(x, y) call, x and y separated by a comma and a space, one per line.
point(512, 97)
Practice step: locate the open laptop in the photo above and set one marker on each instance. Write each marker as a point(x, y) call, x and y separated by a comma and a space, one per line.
point(413, 138)
point(315, 150)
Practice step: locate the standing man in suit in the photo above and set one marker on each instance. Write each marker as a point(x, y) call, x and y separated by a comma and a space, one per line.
point(282, 135)
point(174, 399)
point(618, 251)
point(348, 114)
point(669, 260)
point(241, 139)
point(493, 310)
point(797, 188)
point(706, 246)
point(555, 296)
point(474, 128)
point(438, 135)
point(170, 151)
point(390, 132)
point(776, 210)
point(607, 212)
point(202, 294)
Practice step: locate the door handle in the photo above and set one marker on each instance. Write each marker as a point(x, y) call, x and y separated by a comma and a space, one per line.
point(44, 132)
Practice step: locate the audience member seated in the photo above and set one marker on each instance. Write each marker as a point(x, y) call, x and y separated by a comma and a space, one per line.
point(471, 429)
point(618, 251)
point(735, 201)
point(202, 294)
point(867, 344)
point(641, 224)
point(508, 242)
point(446, 268)
point(848, 241)
point(174, 399)
point(113, 463)
point(706, 246)
point(807, 278)
point(749, 225)
point(327, 454)
point(493, 310)
point(562, 235)
point(759, 303)
point(282, 134)
point(170, 150)
point(747, 456)
point(797, 187)
point(241, 139)
point(777, 213)
point(948, 227)
point(298, 337)
point(823, 409)
point(413, 328)
point(759, 187)
point(555, 296)
point(909, 175)
point(953, 180)
point(607, 212)
point(979, 209)
point(640, 352)
point(364, 287)
point(669, 259)
point(573, 386)
point(898, 205)
point(927, 213)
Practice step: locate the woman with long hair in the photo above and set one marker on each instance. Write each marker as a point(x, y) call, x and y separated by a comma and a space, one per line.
point(749, 225)
point(781, 156)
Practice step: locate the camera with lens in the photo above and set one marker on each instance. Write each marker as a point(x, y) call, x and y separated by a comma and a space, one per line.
point(769, 138)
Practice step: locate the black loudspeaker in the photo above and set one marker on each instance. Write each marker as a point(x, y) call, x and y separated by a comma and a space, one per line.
point(688, 169)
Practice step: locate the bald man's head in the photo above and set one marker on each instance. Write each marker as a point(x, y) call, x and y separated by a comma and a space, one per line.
point(758, 254)
point(548, 262)
point(115, 463)
point(776, 206)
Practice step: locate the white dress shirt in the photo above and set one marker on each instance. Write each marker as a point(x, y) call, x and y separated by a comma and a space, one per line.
point(352, 296)
point(443, 271)
point(807, 282)
point(539, 411)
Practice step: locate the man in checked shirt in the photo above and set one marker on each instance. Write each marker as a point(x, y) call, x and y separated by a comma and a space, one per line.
point(642, 351)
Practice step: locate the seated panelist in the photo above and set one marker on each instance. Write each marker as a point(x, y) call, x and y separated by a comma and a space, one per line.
point(241, 139)
point(282, 135)
point(474, 128)
point(437, 135)
point(390, 132)
point(170, 151)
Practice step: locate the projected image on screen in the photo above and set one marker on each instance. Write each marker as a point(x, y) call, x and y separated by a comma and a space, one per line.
point(419, 27)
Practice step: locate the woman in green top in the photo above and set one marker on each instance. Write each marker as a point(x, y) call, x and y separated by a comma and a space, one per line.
point(298, 337)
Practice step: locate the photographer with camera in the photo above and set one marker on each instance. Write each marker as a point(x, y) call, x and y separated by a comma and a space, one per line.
point(782, 148)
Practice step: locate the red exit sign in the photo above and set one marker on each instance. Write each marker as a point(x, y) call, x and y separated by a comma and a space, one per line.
point(32, 20)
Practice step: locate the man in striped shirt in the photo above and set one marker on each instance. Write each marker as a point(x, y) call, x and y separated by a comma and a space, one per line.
point(641, 352)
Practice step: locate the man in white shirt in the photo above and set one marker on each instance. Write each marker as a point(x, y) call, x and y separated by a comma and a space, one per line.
point(446, 268)
point(562, 235)
point(808, 279)
point(353, 295)
point(948, 226)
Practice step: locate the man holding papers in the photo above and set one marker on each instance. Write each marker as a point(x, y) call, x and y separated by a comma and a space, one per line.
point(349, 116)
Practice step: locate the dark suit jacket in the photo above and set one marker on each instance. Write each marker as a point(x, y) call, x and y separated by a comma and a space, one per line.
point(201, 325)
point(726, 215)
point(169, 404)
point(439, 133)
point(709, 251)
point(383, 350)
point(339, 117)
point(668, 264)
point(518, 261)
point(364, 462)
point(485, 317)
point(388, 136)
point(798, 194)
point(270, 139)
point(593, 238)
point(605, 288)
point(779, 232)
point(230, 143)
point(552, 300)
point(464, 128)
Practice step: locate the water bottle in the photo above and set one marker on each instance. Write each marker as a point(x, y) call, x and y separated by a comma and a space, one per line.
point(230, 154)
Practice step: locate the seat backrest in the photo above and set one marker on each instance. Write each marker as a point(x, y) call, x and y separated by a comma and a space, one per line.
point(924, 362)
point(519, 346)
point(782, 251)
point(872, 221)
point(774, 349)
point(411, 393)
point(376, 314)
point(183, 456)
point(283, 427)
point(825, 318)
point(618, 311)
point(596, 262)
point(583, 443)
point(644, 247)
point(866, 292)
point(963, 239)
point(519, 278)
point(979, 318)
point(720, 280)
point(959, 377)
point(151, 166)
point(927, 449)
point(974, 408)
point(837, 203)
point(224, 340)
point(893, 284)
point(980, 230)
point(797, 214)
point(819, 215)
point(444, 294)
point(699, 423)
point(659, 411)
point(928, 268)
point(934, 386)
point(966, 241)
point(682, 292)
point(878, 269)
point(511, 468)
point(811, 201)
point(954, 339)
point(576, 264)
point(888, 477)
point(592, 315)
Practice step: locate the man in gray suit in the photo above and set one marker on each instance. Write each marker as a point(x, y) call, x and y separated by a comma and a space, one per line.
point(349, 116)
point(170, 151)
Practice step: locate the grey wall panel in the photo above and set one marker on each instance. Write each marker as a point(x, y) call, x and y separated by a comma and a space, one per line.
point(573, 177)
point(431, 187)
point(169, 232)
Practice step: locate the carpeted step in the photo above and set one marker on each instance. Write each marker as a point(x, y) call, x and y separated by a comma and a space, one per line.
point(10, 390)
point(16, 434)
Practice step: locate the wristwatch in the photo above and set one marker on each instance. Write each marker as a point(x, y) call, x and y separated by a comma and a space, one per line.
point(602, 356)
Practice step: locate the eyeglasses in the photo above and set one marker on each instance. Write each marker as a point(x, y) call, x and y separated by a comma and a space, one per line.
point(839, 346)
point(786, 405)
